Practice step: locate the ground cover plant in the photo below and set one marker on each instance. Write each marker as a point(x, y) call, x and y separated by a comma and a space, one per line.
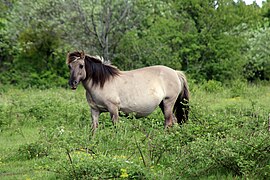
point(45, 134)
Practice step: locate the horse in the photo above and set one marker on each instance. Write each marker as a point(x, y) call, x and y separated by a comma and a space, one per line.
point(138, 91)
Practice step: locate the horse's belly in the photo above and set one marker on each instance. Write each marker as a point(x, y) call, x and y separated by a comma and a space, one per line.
point(137, 113)
point(142, 108)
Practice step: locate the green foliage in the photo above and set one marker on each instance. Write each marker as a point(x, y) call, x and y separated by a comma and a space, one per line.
point(238, 88)
point(239, 155)
point(219, 47)
point(40, 60)
point(212, 86)
point(210, 40)
point(50, 131)
point(258, 65)
point(166, 42)
point(6, 50)
point(33, 48)
point(83, 165)
point(33, 150)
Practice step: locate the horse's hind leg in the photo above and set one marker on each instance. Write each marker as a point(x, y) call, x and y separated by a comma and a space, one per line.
point(167, 109)
point(162, 109)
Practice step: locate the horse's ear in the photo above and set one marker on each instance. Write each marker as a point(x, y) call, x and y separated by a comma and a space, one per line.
point(82, 54)
point(67, 59)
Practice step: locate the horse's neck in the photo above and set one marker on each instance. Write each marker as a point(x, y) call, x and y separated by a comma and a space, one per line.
point(87, 84)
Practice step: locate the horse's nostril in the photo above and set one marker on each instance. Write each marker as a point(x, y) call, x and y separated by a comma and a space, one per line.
point(75, 82)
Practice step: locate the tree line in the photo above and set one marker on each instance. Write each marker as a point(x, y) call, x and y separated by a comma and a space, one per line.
point(220, 40)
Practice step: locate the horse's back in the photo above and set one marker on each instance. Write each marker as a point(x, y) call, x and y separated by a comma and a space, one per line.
point(153, 77)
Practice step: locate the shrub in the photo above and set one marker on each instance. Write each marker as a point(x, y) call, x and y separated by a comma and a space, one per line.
point(212, 86)
point(80, 164)
point(238, 88)
point(34, 150)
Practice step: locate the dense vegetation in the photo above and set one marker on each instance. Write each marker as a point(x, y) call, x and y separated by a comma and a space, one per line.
point(45, 134)
point(222, 45)
point(219, 40)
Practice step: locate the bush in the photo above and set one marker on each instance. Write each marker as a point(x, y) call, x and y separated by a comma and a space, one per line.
point(236, 155)
point(212, 86)
point(238, 88)
point(82, 165)
point(34, 150)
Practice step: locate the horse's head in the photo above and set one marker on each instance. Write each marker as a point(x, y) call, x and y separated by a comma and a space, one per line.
point(76, 65)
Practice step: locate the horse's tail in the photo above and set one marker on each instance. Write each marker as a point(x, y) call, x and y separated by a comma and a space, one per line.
point(181, 107)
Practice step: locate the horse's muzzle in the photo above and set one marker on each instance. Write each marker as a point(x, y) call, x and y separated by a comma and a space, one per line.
point(73, 84)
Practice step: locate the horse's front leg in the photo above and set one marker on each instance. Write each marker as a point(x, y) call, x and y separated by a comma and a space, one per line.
point(95, 115)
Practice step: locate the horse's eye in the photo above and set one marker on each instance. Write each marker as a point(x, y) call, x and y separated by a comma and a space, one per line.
point(81, 66)
point(69, 67)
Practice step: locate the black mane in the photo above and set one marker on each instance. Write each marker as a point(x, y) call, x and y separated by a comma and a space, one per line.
point(98, 72)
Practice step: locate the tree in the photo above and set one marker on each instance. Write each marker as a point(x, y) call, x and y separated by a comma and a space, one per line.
point(5, 46)
point(160, 36)
point(103, 22)
point(38, 51)
point(167, 42)
point(219, 25)
point(257, 66)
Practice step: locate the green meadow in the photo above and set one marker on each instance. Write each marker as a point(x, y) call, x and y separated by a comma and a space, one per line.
point(46, 134)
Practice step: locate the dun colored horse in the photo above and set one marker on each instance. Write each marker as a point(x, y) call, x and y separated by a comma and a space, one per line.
point(138, 91)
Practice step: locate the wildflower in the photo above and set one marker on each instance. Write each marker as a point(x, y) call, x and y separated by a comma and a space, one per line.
point(124, 173)
point(61, 131)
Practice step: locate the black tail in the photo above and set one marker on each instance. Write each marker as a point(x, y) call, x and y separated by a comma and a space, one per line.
point(181, 107)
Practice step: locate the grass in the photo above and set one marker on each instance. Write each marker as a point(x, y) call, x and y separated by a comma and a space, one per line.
point(45, 134)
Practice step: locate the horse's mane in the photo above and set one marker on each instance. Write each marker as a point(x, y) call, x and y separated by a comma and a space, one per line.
point(96, 69)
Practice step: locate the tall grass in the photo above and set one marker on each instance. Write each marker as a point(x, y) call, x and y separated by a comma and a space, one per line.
point(46, 134)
